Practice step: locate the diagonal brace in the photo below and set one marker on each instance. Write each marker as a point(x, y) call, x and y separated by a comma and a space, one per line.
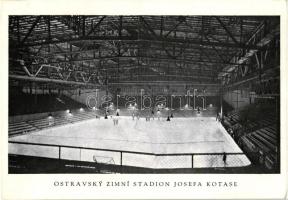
point(227, 30)
point(31, 29)
point(96, 26)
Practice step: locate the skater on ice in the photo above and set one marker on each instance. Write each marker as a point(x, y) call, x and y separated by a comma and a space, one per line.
point(168, 119)
point(158, 114)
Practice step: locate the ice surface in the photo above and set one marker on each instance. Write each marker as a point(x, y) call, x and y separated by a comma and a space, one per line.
point(180, 135)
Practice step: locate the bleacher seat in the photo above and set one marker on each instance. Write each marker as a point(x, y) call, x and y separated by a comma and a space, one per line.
point(16, 128)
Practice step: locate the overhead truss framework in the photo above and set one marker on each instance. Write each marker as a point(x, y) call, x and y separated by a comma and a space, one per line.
point(98, 50)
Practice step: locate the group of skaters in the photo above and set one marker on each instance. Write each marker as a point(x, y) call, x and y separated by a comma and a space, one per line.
point(152, 115)
point(114, 118)
point(135, 116)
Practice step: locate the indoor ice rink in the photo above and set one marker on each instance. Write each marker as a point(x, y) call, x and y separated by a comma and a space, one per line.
point(144, 94)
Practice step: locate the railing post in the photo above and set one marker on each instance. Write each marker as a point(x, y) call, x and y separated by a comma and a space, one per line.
point(192, 163)
point(121, 162)
point(59, 152)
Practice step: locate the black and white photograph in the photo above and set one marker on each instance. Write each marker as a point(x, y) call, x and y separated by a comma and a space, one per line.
point(154, 99)
point(144, 94)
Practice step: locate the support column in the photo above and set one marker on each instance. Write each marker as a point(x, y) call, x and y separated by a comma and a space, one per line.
point(221, 103)
point(97, 98)
point(141, 98)
point(194, 98)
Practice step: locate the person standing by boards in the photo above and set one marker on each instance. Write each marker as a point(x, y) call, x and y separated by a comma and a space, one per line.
point(224, 158)
point(152, 113)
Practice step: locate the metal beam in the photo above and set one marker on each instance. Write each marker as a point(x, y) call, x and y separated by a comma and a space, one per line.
point(227, 30)
point(151, 48)
point(49, 28)
point(261, 44)
point(83, 25)
point(213, 47)
point(142, 39)
point(48, 80)
point(165, 83)
point(149, 27)
point(120, 27)
point(145, 57)
point(206, 54)
point(191, 70)
point(161, 26)
point(173, 29)
point(18, 30)
point(156, 37)
point(169, 75)
point(258, 28)
point(241, 82)
point(30, 30)
point(96, 26)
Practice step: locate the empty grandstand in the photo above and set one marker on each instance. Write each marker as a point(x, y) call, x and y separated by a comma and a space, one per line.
point(144, 94)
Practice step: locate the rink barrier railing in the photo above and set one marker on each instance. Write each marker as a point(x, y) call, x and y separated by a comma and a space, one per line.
point(60, 147)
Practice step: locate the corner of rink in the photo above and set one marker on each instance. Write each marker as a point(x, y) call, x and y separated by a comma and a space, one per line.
point(236, 148)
